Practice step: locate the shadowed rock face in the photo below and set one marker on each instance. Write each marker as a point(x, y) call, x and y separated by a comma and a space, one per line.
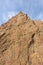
point(21, 41)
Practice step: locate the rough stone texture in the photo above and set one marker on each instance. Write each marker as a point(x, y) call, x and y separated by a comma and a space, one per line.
point(21, 41)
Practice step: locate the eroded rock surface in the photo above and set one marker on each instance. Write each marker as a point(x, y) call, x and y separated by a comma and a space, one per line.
point(21, 41)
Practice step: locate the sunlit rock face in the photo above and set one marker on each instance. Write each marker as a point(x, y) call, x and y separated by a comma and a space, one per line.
point(21, 41)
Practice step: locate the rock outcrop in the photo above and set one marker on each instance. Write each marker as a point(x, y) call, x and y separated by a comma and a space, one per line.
point(21, 41)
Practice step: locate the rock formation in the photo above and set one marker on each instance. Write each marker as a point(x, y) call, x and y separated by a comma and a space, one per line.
point(21, 41)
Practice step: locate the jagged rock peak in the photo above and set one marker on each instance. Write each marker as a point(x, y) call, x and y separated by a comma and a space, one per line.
point(21, 41)
point(20, 13)
point(23, 14)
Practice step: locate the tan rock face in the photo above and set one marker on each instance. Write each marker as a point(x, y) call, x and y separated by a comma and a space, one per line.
point(21, 41)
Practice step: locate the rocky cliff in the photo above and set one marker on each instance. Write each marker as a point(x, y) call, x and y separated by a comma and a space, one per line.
point(21, 41)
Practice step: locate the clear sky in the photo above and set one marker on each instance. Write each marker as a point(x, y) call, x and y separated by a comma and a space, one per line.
point(9, 8)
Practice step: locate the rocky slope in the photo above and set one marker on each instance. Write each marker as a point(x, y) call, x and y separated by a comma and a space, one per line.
point(21, 41)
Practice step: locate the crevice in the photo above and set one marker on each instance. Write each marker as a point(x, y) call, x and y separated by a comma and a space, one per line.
point(3, 38)
point(2, 43)
point(5, 48)
point(31, 43)
point(33, 35)
point(2, 35)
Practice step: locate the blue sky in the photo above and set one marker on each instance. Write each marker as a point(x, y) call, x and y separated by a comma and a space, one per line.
point(9, 8)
